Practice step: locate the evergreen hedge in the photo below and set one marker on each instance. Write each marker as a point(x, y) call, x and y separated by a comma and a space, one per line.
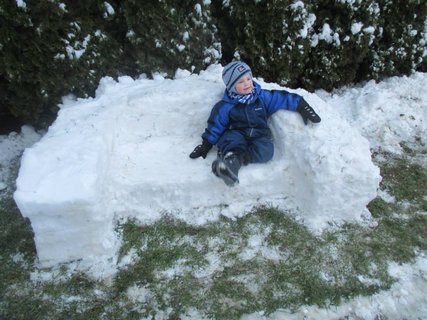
point(166, 35)
point(327, 44)
point(51, 48)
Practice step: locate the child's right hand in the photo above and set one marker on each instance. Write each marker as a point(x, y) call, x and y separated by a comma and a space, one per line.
point(201, 150)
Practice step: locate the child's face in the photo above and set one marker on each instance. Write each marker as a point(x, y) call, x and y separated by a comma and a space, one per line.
point(245, 85)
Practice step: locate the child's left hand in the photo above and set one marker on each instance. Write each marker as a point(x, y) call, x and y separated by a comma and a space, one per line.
point(307, 112)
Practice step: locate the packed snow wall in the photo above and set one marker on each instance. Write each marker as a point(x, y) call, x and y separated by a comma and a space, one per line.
point(125, 153)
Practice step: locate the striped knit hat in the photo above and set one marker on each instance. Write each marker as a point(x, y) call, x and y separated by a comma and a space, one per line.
point(233, 72)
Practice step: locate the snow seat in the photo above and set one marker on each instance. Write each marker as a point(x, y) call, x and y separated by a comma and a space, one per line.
point(125, 154)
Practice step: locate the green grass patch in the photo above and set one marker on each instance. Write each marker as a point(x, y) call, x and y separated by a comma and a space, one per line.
point(17, 249)
point(261, 262)
point(405, 180)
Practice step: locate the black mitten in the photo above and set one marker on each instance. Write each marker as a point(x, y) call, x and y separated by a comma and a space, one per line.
point(307, 112)
point(201, 150)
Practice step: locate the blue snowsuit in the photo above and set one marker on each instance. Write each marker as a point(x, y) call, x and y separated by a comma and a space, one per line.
point(243, 128)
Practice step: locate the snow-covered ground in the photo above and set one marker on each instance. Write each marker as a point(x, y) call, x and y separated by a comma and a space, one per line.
point(110, 153)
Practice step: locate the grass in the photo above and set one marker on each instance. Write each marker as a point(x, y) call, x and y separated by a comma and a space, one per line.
point(261, 262)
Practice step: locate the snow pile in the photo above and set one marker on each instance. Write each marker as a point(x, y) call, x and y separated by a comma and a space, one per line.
point(125, 153)
point(386, 113)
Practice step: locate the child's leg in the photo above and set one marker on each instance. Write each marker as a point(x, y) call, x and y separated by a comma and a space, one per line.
point(232, 148)
point(232, 141)
point(227, 168)
point(261, 150)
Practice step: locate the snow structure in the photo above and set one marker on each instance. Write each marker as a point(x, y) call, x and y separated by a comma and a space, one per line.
point(125, 153)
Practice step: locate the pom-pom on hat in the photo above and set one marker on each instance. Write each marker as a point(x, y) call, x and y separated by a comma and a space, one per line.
point(233, 72)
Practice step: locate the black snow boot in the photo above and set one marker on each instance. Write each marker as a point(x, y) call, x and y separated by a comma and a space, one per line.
point(227, 168)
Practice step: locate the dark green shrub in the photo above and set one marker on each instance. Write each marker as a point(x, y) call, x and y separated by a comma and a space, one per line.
point(400, 47)
point(166, 35)
point(343, 33)
point(50, 49)
point(29, 41)
point(272, 36)
point(315, 44)
point(324, 44)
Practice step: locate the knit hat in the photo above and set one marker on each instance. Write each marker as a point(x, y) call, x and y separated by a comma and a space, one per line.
point(233, 72)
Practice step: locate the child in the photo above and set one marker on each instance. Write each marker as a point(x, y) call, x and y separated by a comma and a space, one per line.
point(238, 123)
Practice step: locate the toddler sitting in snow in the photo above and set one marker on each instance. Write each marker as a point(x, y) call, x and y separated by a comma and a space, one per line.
point(238, 123)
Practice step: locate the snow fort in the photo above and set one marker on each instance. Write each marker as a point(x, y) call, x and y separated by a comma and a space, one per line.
point(125, 153)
